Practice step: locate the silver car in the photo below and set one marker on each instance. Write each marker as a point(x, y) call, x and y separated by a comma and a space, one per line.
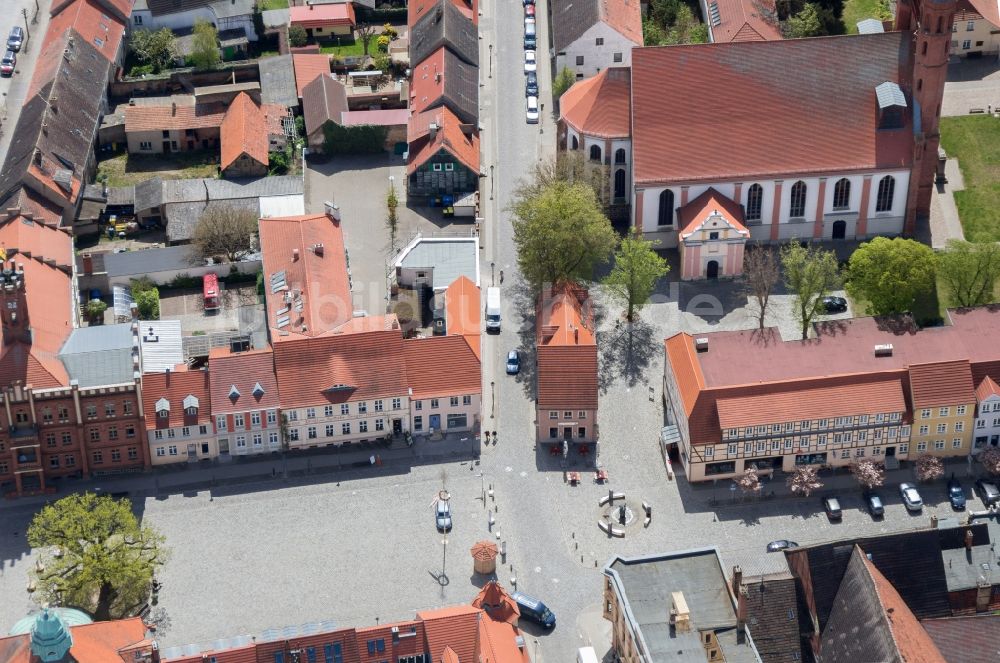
point(442, 517)
point(911, 498)
point(531, 114)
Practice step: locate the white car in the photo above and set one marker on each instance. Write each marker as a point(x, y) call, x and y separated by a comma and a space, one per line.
point(532, 113)
point(911, 498)
point(529, 62)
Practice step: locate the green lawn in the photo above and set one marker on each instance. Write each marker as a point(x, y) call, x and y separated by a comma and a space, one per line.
point(130, 169)
point(975, 141)
point(264, 5)
point(858, 10)
point(356, 49)
point(935, 305)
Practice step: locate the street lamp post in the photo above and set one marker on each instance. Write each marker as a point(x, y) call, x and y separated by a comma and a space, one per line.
point(444, 554)
point(492, 183)
point(493, 399)
point(491, 61)
point(493, 277)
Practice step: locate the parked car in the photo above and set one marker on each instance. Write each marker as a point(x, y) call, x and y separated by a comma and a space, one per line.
point(442, 516)
point(534, 609)
point(529, 42)
point(781, 544)
point(873, 502)
point(529, 9)
point(988, 492)
point(513, 362)
point(832, 507)
point(8, 63)
point(911, 498)
point(16, 39)
point(531, 84)
point(530, 64)
point(528, 2)
point(531, 114)
point(833, 304)
point(529, 21)
point(956, 494)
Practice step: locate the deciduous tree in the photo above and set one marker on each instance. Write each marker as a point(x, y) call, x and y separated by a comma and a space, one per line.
point(891, 274)
point(760, 275)
point(297, 36)
point(990, 458)
point(804, 480)
point(807, 23)
point(929, 468)
point(560, 233)
point(391, 216)
point(225, 231)
point(96, 556)
point(205, 46)
point(749, 481)
point(969, 271)
point(869, 473)
point(563, 81)
point(635, 274)
point(154, 47)
point(810, 273)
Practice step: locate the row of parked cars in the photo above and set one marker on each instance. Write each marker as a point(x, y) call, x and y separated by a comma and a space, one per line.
point(987, 491)
point(530, 64)
point(14, 42)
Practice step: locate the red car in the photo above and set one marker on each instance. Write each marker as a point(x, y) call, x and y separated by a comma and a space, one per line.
point(529, 10)
point(8, 63)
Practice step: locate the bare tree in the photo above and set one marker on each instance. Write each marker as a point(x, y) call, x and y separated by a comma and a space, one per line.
point(990, 458)
point(760, 275)
point(803, 480)
point(929, 468)
point(869, 473)
point(365, 31)
point(749, 481)
point(225, 231)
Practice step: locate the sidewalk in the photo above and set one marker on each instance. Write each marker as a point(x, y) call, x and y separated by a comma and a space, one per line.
point(287, 467)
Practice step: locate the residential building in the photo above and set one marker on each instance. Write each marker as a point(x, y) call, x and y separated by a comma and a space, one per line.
point(51, 154)
point(987, 427)
point(594, 117)
point(443, 157)
point(178, 407)
point(326, 102)
point(246, 138)
point(67, 634)
point(277, 80)
point(462, 312)
point(244, 396)
point(768, 604)
point(223, 14)
point(712, 237)
point(961, 639)
point(860, 389)
point(566, 351)
point(446, 23)
point(443, 79)
point(445, 383)
point(416, 9)
point(324, 21)
point(740, 20)
point(674, 606)
point(976, 29)
point(590, 36)
point(308, 67)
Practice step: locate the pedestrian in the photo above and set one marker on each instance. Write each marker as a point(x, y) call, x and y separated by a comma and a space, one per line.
point(501, 277)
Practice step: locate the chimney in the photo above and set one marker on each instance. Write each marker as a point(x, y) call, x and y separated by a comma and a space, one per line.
point(318, 249)
point(701, 344)
point(295, 255)
point(737, 579)
point(576, 335)
point(332, 210)
point(741, 604)
point(88, 264)
point(968, 539)
point(432, 129)
point(883, 350)
point(680, 616)
point(173, 108)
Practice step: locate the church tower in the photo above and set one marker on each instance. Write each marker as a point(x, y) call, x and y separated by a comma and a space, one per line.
point(929, 21)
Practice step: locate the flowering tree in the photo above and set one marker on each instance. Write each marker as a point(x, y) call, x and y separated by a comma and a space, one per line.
point(869, 473)
point(803, 480)
point(749, 481)
point(990, 458)
point(930, 468)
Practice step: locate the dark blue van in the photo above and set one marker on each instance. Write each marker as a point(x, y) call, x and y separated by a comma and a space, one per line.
point(534, 610)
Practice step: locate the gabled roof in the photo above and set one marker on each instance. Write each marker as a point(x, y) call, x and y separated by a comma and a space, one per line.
point(99, 642)
point(244, 371)
point(566, 350)
point(742, 20)
point(417, 8)
point(683, 118)
point(221, 8)
point(308, 67)
point(174, 117)
point(174, 387)
point(772, 612)
point(986, 389)
point(277, 80)
point(244, 131)
point(442, 79)
point(322, 15)
point(98, 22)
point(462, 307)
point(324, 100)
point(941, 383)
point(441, 366)
point(460, 142)
point(572, 18)
point(455, 627)
point(710, 205)
point(600, 106)
point(988, 9)
point(444, 25)
point(969, 638)
point(304, 260)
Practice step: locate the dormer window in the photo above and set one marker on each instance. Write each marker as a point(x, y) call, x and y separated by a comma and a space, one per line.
point(234, 393)
point(191, 405)
point(258, 391)
point(891, 105)
point(163, 408)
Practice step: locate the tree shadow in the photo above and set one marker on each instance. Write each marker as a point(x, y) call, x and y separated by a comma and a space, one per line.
point(626, 352)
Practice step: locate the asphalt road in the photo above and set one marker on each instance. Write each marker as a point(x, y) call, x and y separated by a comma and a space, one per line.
point(13, 89)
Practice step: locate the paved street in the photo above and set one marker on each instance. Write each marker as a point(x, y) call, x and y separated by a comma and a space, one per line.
point(13, 89)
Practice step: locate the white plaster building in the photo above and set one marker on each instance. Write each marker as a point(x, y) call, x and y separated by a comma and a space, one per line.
point(588, 36)
point(986, 429)
point(181, 15)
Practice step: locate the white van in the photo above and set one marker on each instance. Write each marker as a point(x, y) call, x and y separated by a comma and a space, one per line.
point(493, 309)
point(586, 655)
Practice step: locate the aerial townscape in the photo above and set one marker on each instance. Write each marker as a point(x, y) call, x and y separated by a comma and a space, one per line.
point(500, 331)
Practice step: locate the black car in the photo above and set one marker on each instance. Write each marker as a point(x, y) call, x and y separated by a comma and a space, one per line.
point(956, 495)
point(531, 85)
point(16, 38)
point(832, 304)
point(874, 504)
point(781, 544)
point(832, 507)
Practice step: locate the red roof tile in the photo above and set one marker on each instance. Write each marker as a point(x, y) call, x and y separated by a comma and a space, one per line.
point(988, 9)
point(99, 642)
point(385, 117)
point(456, 627)
point(496, 602)
point(316, 281)
point(745, 20)
point(600, 105)
point(243, 370)
point(308, 67)
point(93, 22)
point(443, 79)
point(441, 366)
point(417, 8)
point(987, 388)
point(450, 137)
point(693, 104)
point(462, 307)
point(625, 16)
point(820, 403)
point(941, 383)
point(692, 216)
point(686, 369)
point(244, 131)
point(175, 386)
point(174, 117)
point(912, 641)
point(566, 350)
point(321, 16)
point(499, 643)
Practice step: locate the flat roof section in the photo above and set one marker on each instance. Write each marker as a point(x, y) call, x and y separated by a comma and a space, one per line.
point(449, 257)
